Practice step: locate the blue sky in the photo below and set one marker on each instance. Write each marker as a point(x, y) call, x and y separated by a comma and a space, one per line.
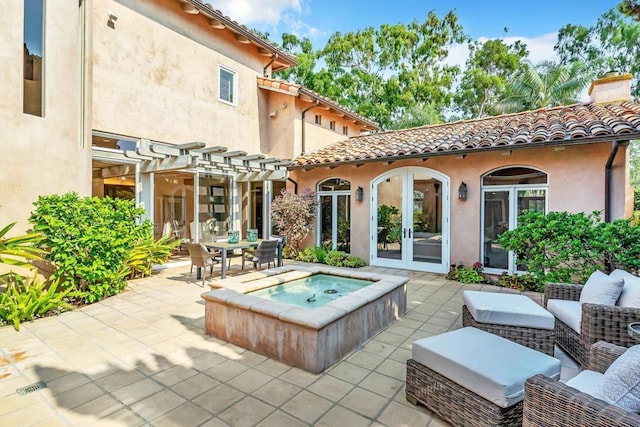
point(534, 22)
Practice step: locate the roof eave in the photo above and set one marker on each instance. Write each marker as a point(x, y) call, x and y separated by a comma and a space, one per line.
point(624, 139)
point(368, 123)
point(208, 11)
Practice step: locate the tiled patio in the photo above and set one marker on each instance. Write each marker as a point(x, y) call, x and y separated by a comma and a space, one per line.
point(142, 358)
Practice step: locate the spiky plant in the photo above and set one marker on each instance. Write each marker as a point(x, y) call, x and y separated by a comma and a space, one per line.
point(19, 250)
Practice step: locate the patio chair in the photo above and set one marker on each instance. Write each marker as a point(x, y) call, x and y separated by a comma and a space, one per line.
point(552, 403)
point(201, 258)
point(577, 331)
point(266, 253)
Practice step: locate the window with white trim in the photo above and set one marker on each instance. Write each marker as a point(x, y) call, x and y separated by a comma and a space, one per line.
point(227, 84)
point(33, 61)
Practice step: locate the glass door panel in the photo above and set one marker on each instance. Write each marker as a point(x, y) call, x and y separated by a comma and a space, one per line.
point(426, 221)
point(389, 218)
point(530, 200)
point(326, 220)
point(343, 231)
point(496, 221)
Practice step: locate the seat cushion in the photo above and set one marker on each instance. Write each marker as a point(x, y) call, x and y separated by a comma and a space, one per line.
point(630, 296)
point(486, 364)
point(586, 381)
point(569, 312)
point(507, 309)
point(601, 289)
point(620, 383)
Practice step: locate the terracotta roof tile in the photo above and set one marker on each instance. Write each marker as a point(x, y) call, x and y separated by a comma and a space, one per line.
point(572, 124)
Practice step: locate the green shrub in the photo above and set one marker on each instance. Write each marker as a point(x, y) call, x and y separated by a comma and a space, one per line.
point(147, 252)
point(28, 299)
point(565, 247)
point(307, 255)
point(89, 241)
point(353, 261)
point(466, 275)
point(521, 282)
point(341, 259)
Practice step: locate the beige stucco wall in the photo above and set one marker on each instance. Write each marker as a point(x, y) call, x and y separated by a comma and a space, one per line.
point(575, 177)
point(41, 155)
point(318, 136)
point(156, 76)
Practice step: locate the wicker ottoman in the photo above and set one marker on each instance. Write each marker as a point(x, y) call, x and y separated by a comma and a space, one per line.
point(471, 377)
point(514, 317)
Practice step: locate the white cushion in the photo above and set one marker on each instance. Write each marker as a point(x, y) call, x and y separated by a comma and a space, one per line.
point(586, 381)
point(601, 289)
point(570, 312)
point(630, 296)
point(507, 309)
point(620, 384)
point(486, 364)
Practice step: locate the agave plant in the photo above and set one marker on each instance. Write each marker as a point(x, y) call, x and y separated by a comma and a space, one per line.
point(19, 250)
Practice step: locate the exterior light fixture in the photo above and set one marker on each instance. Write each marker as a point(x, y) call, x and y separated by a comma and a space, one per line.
point(359, 194)
point(462, 191)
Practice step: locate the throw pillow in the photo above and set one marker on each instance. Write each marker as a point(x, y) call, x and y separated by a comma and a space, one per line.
point(620, 384)
point(601, 289)
point(630, 296)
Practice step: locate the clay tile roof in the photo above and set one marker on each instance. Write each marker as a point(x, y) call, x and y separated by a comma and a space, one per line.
point(572, 124)
point(296, 89)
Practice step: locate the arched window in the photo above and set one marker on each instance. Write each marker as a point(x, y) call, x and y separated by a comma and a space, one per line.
point(506, 194)
point(334, 214)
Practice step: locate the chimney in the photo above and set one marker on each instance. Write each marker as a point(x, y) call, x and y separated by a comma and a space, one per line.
point(613, 86)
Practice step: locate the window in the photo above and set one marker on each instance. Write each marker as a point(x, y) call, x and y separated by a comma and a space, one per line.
point(33, 62)
point(227, 83)
point(318, 119)
point(332, 125)
point(345, 130)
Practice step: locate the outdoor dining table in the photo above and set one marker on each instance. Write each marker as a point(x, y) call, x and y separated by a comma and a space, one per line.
point(224, 247)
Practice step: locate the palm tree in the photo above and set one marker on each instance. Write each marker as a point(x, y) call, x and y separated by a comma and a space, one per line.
point(547, 84)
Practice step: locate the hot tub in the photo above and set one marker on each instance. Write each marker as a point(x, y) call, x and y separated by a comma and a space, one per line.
point(309, 338)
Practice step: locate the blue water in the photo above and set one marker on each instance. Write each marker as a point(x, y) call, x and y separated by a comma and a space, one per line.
point(313, 291)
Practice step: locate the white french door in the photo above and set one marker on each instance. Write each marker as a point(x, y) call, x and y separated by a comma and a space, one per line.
point(501, 207)
point(410, 220)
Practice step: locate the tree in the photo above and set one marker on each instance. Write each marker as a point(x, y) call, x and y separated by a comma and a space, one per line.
point(611, 44)
point(382, 73)
point(546, 85)
point(484, 80)
point(630, 8)
point(293, 216)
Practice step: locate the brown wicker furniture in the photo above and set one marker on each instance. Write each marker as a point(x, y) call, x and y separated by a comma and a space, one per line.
point(511, 316)
point(550, 403)
point(201, 258)
point(266, 253)
point(599, 323)
point(458, 376)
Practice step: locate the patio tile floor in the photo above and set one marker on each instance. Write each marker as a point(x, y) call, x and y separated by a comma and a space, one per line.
point(143, 358)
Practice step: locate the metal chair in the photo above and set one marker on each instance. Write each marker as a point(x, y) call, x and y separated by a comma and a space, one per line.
point(201, 258)
point(266, 253)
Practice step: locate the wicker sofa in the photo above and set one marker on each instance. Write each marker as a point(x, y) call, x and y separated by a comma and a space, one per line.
point(599, 323)
point(551, 403)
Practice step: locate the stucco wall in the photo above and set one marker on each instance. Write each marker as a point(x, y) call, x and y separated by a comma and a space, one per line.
point(318, 136)
point(156, 76)
point(41, 155)
point(575, 177)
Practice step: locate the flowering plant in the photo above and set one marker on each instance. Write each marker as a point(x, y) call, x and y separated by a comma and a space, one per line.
point(293, 216)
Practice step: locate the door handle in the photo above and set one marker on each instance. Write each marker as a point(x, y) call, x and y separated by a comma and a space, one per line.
point(404, 233)
point(409, 233)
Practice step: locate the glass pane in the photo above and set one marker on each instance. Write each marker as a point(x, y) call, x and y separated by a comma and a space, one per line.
point(33, 56)
point(389, 218)
point(343, 237)
point(515, 176)
point(256, 207)
point(427, 219)
point(496, 221)
point(334, 184)
point(326, 239)
point(530, 200)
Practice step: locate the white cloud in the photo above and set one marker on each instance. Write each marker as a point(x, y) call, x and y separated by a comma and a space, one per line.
point(250, 12)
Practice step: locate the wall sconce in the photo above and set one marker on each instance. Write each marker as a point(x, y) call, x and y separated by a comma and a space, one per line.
point(462, 191)
point(111, 23)
point(359, 194)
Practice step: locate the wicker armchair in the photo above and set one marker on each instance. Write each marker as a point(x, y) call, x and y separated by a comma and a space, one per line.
point(551, 403)
point(599, 323)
